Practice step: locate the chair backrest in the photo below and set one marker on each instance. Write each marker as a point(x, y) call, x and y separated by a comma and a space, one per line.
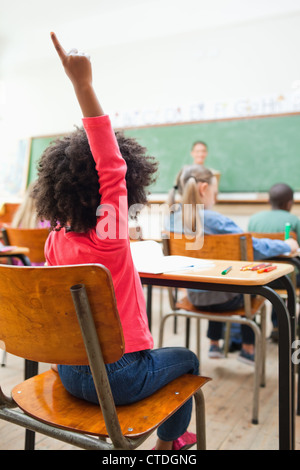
point(234, 247)
point(273, 236)
point(38, 320)
point(7, 211)
point(32, 238)
point(228, 247)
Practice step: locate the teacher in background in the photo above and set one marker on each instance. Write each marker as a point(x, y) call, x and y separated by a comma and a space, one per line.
point(199, 152)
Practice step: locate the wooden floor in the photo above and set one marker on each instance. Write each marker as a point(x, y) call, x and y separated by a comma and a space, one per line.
point(228, 397)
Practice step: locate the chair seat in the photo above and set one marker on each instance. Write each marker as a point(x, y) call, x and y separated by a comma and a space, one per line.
point(283, 293)
point(45, 398)
point(185, 304)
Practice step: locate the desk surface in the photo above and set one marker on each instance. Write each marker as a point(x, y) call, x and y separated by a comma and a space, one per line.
point(16, 250)
point(235, 276)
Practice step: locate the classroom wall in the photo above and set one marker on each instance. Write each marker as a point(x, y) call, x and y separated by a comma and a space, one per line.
point(242, 60)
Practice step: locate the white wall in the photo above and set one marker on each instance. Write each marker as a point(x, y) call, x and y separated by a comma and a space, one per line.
point(221, 61)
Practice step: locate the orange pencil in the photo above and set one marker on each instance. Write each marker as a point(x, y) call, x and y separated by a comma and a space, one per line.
point(266, 270)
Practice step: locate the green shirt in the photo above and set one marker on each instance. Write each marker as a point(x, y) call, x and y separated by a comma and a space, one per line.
point(273, 221)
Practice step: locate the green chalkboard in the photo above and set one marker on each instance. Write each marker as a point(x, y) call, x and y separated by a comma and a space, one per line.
point(37, 146)
point(251, 154)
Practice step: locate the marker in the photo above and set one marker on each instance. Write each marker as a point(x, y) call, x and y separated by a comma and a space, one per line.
point(227, 270)
point(266, 270)
point(287, 231)
point(248, 267)
point(260, 266)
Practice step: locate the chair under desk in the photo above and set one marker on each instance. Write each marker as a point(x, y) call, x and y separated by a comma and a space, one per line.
point(250, 282)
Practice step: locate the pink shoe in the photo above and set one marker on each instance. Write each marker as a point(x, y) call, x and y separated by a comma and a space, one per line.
point(187, 440)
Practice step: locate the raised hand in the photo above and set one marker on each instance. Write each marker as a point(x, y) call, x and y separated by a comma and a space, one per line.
point(79, 70)
point(77, 65)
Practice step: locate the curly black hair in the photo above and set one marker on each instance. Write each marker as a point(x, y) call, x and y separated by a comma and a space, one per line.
point(67, 188)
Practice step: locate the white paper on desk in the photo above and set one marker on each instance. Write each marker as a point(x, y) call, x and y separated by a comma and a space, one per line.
point(149, 258)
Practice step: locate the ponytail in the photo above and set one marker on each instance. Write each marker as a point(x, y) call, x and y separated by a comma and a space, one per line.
point(186, 184)
point(190, 202)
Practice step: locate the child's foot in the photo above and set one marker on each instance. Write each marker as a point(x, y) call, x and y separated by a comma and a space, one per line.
point(246, 358)
point(187, 440)
point(215, 352)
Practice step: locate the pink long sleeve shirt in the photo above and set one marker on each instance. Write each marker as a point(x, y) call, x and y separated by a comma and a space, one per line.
point(108, 243)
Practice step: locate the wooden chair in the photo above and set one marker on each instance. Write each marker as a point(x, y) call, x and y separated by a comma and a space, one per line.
point(7, 211)
point(281, 236)
point(32, 238)
point(226, 247)
point(68, 315)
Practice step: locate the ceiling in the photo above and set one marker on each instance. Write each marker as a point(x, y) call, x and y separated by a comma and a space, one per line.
point(25, 26)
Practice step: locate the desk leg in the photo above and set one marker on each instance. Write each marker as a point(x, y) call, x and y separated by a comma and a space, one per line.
point(286, 423)
point(291, 304)
point(31, 369)
point(296, 263)
point(149, 305)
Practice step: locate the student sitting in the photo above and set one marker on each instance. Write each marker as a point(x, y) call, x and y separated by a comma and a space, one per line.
point(86, 181)
point(198, 185)
point(281, 199)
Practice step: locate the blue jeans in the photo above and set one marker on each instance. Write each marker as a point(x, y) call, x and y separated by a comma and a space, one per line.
point(215, 329)
point(136, 376)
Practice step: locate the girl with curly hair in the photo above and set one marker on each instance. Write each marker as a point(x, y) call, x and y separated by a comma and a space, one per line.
point(81, 181)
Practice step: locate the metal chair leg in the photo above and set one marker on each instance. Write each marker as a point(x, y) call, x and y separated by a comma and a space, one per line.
point(263, 330)
point(227, 338)
point(200, 420)
point(257, 371)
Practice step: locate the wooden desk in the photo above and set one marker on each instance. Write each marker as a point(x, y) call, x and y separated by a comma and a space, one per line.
point(17, 252)
point(250, 282)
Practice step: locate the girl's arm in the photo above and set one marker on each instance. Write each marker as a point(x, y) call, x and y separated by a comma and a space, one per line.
point(110, 165)
point(79, 70)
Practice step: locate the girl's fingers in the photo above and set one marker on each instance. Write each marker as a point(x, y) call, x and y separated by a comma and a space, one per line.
point(60, 50)
point(73, 51)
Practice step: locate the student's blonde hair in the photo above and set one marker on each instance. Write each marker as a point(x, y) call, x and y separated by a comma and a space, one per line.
point(186, 185)
point(26, 214)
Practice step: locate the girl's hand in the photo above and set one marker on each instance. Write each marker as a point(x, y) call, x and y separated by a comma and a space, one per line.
point(77, 65)
point(78, 68)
